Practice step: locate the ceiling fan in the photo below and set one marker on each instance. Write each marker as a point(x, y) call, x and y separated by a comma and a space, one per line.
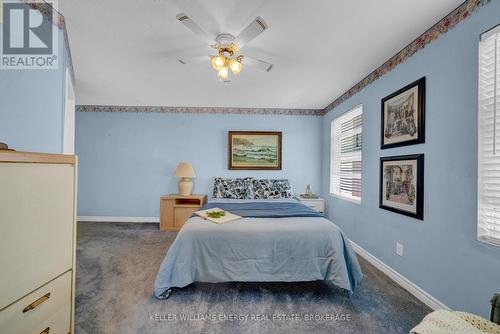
point(228, 48)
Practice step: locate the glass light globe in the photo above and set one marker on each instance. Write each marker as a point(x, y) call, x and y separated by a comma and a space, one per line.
point(218, 62)
point(236, 66)
point(223, 73)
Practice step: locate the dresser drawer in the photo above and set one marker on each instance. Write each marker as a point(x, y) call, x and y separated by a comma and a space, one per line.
point(48, 307)
point(36, 226)
point(182, 215)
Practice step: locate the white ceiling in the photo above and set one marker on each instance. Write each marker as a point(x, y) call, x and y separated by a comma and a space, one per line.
point(124, 50)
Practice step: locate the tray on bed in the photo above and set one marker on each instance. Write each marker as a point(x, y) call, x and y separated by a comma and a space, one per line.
point(227, 218)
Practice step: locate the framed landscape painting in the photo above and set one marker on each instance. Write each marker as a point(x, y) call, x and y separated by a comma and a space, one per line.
point(257, 150)
point(402, 185)
point(403, 114)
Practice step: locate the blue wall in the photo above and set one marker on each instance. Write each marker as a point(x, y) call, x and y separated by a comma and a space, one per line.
point(441, 253)
point(126, 160)
point(32, 106)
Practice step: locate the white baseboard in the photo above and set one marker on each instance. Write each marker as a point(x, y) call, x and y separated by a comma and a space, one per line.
point(112, 219)
point(405, 283)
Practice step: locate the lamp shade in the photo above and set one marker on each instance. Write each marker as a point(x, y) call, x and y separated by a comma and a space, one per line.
point(184, 169)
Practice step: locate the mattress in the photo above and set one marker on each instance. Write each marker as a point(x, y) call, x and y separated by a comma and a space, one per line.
point(259, 248)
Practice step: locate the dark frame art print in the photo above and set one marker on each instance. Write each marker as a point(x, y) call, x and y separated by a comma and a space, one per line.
point(402, 185)
point(403, 116)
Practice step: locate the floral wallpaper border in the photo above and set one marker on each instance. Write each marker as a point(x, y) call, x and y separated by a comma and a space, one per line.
point(44, 8)
point(58, 20)
point(440, 28)
point(200, 110)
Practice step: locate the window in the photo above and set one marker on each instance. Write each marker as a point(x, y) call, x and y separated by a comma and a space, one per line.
point(488, 197)
point(346, 147)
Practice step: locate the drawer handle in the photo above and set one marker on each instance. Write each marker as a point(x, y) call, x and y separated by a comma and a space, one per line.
point(36, 303)
point(45, 331)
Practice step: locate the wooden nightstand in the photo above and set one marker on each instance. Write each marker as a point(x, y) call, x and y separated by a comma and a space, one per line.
point(317, 204)
point(175, 210)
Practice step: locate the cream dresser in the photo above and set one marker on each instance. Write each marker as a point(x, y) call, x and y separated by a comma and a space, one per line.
point(37, 242)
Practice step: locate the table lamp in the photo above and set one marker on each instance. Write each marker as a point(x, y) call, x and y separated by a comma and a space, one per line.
point(185, 171)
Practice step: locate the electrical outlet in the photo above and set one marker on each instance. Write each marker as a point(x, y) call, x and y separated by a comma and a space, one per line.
point(399, 249)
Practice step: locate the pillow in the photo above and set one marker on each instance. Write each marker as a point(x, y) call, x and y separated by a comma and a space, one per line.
point(240, 188)
point(267, 188)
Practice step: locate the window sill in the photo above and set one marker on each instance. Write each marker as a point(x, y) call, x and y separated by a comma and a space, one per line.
point(346, 198)
point(489, 240)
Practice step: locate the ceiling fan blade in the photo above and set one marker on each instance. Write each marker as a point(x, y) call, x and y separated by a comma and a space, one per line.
point(254, 29)
point(188, 52)
point(195, 28)
point(192, 60)
point(257, 63)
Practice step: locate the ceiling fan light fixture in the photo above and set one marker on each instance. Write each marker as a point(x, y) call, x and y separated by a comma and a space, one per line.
point(227, 62)
point(223, 73)
point(218, 62)
point(235, 66)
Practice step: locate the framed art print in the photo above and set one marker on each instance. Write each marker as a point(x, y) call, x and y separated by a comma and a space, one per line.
point(403, 116)
point(254, 150)
point(402, 185)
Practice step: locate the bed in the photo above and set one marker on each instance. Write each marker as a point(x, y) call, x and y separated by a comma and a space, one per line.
point(278, 240)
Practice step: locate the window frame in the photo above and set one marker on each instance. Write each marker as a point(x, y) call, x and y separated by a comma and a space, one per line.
point(480, 234)
point(352, 199)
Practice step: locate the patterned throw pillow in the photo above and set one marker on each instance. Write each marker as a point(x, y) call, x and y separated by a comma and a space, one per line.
point(240, 188)
point(264, 189)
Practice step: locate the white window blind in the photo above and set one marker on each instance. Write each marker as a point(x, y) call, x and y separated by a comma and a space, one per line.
point(488, 138)
point(346, 153)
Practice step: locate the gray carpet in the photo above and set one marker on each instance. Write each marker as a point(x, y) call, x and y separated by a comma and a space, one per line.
point(117, 265)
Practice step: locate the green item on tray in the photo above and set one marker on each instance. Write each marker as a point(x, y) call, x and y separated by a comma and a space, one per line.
point(216, 214)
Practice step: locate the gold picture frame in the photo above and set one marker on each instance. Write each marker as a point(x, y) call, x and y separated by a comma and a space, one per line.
point(254, 150)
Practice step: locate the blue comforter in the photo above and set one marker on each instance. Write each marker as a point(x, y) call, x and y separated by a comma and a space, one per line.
point(274, 241)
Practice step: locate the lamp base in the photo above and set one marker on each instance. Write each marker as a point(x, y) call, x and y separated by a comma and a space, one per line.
point(185, 186)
